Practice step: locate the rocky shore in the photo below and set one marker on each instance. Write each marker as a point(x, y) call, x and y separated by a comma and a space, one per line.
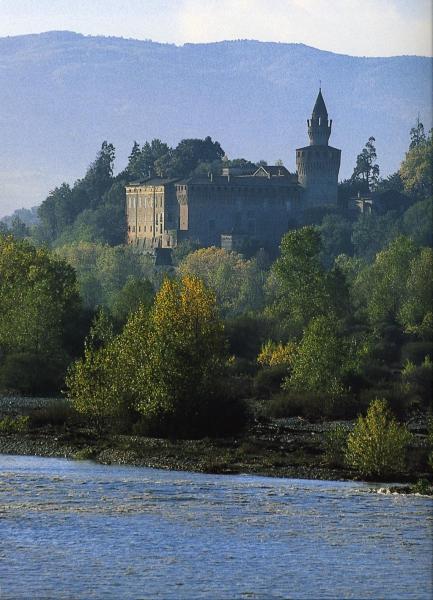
point(290, 447)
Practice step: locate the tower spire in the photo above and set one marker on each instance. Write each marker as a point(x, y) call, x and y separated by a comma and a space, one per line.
point(319, 128)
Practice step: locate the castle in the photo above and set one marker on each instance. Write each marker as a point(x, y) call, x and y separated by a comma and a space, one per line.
point(238, 205)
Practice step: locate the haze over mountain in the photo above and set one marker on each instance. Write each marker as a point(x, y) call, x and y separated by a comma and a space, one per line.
point(62, 94)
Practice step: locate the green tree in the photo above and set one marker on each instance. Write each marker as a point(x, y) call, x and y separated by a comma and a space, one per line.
point(366, 169)
point(301, 286)
point(102, 270)
point(416, 310)
point(417, 135)
point(371, 232)
point(335, 235)
point(96, 382)
point(377, 445)
point(418, 222)
point(237, 282)
point(38, 295)
point(416, 170)
point(134, 293)
point(324, 359)
point(187, 155)
point(381, 287)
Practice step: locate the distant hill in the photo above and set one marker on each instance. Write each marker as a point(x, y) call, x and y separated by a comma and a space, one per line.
point(62, 94)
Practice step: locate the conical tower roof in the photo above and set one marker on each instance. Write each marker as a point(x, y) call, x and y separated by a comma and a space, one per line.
point(319, 109)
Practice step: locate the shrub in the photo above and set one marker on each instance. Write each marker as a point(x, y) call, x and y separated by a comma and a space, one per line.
point(272, 354)
point(269, 380)
point(311, 406)
point(245, 335)
point(416, 352)
point(14, 424)
point(57, 412)
point(398, 399)
point(377, 445)
point(32, 374)
point(335, 445)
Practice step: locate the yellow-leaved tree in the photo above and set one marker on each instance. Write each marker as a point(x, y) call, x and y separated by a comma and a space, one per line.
point(186, 354)
point(167, 365)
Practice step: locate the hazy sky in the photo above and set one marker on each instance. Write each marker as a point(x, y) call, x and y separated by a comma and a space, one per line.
point(357, 27)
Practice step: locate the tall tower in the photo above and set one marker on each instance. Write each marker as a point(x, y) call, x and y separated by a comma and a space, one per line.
point(318, 164)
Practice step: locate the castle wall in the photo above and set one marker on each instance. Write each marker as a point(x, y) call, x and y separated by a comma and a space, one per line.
point(256, 212)
point(160, 215)
point(318, 168)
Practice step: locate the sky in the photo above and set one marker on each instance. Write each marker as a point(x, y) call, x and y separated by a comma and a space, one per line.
point(356, 27)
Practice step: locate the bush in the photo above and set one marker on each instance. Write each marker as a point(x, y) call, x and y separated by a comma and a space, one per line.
point(246, 335)
point(269, 380)
point(14, 424)
point(32, 374)
point(335, 445)
point(377, 445)
point(219, 416)
point(311, 406)
point(399, 400)
point(416, 352)
point(57, 412)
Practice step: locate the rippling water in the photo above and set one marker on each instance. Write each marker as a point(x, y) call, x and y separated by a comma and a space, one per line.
point(81, 530)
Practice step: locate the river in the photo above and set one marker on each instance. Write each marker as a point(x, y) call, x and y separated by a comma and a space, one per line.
point(81, 530)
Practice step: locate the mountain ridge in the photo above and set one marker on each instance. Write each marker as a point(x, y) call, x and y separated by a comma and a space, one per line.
point(63, 93)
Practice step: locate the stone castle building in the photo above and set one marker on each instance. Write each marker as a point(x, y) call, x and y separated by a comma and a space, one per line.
point(238, 205)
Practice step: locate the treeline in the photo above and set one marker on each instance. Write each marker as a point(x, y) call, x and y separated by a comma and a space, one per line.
point(341, 317)
point(93, 208)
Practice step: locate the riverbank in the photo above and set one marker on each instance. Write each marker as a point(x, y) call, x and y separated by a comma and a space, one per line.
point(291, 447)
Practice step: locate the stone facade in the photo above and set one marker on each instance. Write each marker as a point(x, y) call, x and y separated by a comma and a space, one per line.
point(238, 205)
point(213, 210)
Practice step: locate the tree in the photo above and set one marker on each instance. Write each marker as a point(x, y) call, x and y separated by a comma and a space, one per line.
point(418, 222)
point(416, 311)
point(377, 445)
point(416, 170)
point(335, 235)
point(301, 284)
point(381, 287)
point(102, 271)
point(167, 364)
point(235, 281)
point(96, 382)
point(134, 293)
point(417, 135)
point(371, 232)
point(187, 155)
point(324, 359)
point(186, 351)
point(366, 169)
point(142, 162)
point(38, 295)
point(40, 318)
